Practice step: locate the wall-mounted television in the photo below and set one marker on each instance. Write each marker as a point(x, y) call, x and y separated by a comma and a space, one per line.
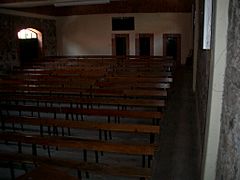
point(123, 23)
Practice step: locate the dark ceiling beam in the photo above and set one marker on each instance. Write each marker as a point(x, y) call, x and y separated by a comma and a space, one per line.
point(127, 6)
point(19, 1)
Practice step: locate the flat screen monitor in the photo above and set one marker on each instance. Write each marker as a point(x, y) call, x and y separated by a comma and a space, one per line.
point(123, 23)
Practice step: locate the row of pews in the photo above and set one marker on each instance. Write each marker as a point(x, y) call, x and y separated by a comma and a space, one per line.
point(83, 116)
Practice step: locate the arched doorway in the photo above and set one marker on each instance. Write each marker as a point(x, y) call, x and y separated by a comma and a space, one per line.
point(30, 45)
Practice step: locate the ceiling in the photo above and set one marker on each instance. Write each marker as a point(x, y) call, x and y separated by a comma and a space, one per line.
point(73, 7)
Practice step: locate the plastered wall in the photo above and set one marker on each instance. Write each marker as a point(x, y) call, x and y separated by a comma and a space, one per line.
point(92, 34)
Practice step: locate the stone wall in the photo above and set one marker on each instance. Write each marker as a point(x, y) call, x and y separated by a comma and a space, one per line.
point(228, 164)
point(9, 27)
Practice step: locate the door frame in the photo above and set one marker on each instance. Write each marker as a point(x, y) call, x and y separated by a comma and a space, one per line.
point(178, 37)
point(114, 36)
point(137, 43)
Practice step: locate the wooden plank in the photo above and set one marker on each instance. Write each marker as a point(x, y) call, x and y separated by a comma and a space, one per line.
point(116, 78)
point(80, 100)
point(87, 92)
point(78, 143)
point(129, 128)
point(89, 112)
point(132, 85)
point(46, 172)
point(99, 168)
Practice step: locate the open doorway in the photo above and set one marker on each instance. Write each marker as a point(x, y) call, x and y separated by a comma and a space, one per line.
point(30, 45)
point(172, 46)
point(144, 45)
point(120, 45)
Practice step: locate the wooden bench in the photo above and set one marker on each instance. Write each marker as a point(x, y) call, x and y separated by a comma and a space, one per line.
point(80, 144)
point(132, 85)
point(98, 168)
point(46, 172)
point(143, 74)
point(85, 92)
point(150, 115)
point(85, 101)
point(58, 82)
point(131, 79)
point(152, 130)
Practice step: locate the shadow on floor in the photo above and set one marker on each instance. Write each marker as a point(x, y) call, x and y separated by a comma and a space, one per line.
point(177, 157)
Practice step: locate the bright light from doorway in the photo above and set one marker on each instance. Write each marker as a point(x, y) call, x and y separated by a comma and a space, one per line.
point(27, 34)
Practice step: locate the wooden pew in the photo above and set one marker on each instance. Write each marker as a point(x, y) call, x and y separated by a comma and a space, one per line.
point(46, 172)
point(88, 112)
point(142, 74)
point(85, 101)
point(129, 128)
point(131, 79)
point(79, 144)
point(85, 92)
point(132, 85)
point(152, 130)
point(72, 71)
point(98, 168)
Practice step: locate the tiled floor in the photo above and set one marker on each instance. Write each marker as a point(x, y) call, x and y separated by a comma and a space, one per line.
point(177, 156)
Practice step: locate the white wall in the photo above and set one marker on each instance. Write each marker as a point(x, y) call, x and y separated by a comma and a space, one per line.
point(215, 96)
point(92, 34)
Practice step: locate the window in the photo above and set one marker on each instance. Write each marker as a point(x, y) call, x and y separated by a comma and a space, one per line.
point(27, 34)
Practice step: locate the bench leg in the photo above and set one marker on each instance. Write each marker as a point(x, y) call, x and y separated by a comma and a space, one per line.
point(96, 156)
point(55, 130)
point(34, 149)
point(149, 161)
point(22, 127)
point(81, 106)
point(49, 153)
point(85, 159)
point(85, 155)
point(13, 127)
point(152, 137)
point(100, 134)
point(79, 174)
point(3, 124)
point(49, 130)
point(77, 114)
point(143, 161)
point(19, 147)
point(41, 130)
point(66, 117)
point(69, 132)
point(12, 170)
point(105, 135)
point(62, 131)
point(110, 135)
point(153, 122)
point(24, 167)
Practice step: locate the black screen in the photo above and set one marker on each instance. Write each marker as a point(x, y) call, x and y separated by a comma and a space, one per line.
point(122, 23)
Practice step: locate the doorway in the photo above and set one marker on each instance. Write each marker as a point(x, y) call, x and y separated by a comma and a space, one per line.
point(172, 46)
point(120, 45)
point(30, 45)
point(144, 45)
point(28, 50)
